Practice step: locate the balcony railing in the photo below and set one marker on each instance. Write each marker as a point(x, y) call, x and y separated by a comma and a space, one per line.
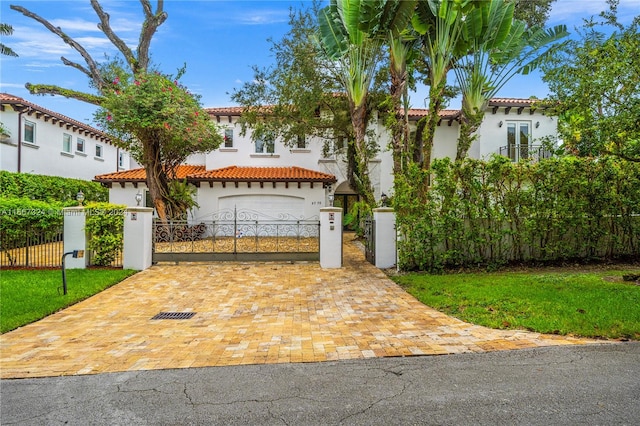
point(524, 152)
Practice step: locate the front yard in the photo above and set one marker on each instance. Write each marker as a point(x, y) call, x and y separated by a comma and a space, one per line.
point(592, 303)
point(29, 295)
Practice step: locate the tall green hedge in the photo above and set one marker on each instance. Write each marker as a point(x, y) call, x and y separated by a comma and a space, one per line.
point(495, 212)
point(49, 188)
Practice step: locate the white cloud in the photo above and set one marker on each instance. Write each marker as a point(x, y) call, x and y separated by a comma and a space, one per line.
point(68, 25)
point(262, 17)
point(572, 12)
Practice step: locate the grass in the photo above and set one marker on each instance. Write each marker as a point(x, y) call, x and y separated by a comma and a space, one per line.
point(594, 304)
point(29, 295)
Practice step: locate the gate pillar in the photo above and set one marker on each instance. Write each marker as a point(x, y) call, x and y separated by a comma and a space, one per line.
point(330, 237)
point(138, 238)
point(385, 237)
point(75, 237)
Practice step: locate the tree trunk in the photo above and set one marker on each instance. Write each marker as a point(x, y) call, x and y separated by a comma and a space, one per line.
point(470, 123)
point(400, 126)
point(429, 132)
point(359, 120)
point(156, 179)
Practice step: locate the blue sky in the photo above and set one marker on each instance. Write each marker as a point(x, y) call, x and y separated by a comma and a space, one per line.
point(218, 40)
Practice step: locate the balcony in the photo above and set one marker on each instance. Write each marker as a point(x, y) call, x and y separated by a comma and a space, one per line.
point(525, 152)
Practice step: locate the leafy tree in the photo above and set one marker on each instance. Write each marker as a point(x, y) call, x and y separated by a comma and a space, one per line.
point(595, 89)
point(298, 96)
point(120, 82)
point(534, 12)
point(6, 30)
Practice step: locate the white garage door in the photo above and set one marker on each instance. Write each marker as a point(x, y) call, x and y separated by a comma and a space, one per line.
point(269, 206)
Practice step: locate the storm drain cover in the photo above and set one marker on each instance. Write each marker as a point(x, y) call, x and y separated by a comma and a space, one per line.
point(174, 315)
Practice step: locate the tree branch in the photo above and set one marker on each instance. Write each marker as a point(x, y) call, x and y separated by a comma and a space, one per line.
point(47, 89)
point(150, 25)
point(105, 27)
point(76, 66)
point(93, 66)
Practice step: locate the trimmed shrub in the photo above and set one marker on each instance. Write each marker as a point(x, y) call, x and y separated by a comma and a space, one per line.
point(495, 212)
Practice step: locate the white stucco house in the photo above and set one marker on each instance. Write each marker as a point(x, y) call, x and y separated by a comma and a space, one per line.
point(45, 142)
point(269, 177)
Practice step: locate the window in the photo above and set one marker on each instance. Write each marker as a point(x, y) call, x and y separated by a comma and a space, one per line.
point(265, 145)
point(228, 138)
point(518, 140)
point(301, 142)
point(99, 151)
point(29, 132)
point(66, 143)
point(80, 145)
point(121, 159)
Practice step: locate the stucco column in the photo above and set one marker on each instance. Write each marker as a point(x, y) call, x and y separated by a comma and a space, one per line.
point(138, 238)
point(385, 237)
point(75, 237)
point(330, 237)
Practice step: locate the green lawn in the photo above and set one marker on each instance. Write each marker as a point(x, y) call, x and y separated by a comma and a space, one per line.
point(592, 304)
point(29, 295)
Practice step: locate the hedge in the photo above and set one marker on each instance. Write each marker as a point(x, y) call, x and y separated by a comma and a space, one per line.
point(50, 188)
point(496, 212)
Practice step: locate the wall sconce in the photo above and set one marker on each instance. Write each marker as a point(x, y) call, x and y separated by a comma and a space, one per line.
point(500, 123)
point(537, 124)
point(138, 198)
point(384, 200)
point(80, 197)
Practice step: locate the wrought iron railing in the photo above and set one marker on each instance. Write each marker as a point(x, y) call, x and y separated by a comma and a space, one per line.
point(524, 152)
point(31, 247)
point(235, 232)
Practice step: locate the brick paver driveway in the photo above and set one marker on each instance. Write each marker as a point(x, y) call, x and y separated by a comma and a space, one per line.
point(246, 313)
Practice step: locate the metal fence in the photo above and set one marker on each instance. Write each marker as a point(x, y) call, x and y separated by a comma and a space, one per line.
point(33, 247)
point(237, 235)
point(523, 152)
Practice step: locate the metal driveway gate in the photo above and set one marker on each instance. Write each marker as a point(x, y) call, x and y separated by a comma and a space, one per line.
point(369, 225)
point(244, 235)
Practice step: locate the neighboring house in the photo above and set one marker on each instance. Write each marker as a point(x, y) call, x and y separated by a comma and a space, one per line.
point(267, 176)
point(44, 142)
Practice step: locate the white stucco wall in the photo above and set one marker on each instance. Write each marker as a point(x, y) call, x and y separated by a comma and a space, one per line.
point(491, 136)
point(46, 157)
point(304, 202)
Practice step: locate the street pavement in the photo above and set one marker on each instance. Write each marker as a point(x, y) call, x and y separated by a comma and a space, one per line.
point(564, 385)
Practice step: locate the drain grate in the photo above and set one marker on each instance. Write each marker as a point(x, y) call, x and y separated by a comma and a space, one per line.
point(174, 315)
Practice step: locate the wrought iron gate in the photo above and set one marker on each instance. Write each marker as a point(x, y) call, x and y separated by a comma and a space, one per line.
point(369, 226)
point(237, 235)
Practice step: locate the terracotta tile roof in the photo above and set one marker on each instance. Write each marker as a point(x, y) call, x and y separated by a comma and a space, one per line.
point(139, 175)
point(413, 112)
point(262, 174)
point(227, 174)
point(444, 114)
point(20, 103)
point(512, 102)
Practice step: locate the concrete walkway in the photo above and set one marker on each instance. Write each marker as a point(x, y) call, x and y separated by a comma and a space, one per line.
point(247, 313)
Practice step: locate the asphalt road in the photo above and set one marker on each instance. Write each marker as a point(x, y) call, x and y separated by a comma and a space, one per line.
point(569, 385)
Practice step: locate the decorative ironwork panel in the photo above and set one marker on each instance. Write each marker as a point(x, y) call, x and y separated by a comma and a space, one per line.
point(238, 231)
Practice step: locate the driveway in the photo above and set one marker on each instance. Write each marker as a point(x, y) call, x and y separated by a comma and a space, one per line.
point(247, 313)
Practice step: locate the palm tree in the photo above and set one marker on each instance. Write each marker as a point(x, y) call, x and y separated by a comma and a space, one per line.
point(496, 47)
point(6, 30)
point(356, 56)
point(440, 24)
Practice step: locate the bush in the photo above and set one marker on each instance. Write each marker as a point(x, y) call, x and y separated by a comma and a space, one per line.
point(50, 188)
point(104, 226)
point(494, 212)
